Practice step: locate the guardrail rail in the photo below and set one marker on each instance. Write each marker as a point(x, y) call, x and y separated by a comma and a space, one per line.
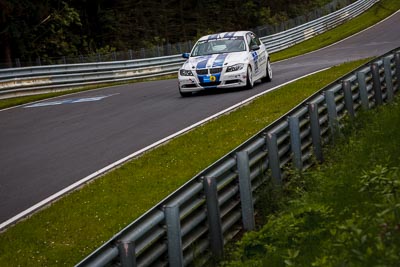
point(34, 80)
point(194, 222)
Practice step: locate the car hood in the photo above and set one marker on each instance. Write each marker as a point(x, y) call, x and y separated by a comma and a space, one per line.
point(215, 60)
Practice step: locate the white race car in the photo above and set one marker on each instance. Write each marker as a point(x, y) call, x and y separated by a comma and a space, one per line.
point(224, 60)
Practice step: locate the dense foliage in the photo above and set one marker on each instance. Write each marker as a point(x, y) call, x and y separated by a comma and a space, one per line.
point(52, 28)
point(345, 212)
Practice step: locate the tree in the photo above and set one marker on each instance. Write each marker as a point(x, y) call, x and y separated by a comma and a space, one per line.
point(14, 18)
point(54, 28)
point(58, 32)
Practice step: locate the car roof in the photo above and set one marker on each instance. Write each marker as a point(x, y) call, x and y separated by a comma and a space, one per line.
point(223, 35)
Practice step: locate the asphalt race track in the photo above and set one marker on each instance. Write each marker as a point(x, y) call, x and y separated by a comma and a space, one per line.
point(50, 145)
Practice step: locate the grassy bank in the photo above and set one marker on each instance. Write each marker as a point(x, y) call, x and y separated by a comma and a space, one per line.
point(345, 212)
point(78, 223)
point(378, 12)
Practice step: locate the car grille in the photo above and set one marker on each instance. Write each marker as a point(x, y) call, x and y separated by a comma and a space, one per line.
point(189, 86)
point(215, 70)
point(202, 72)
point(210, 84)
point(205, 71)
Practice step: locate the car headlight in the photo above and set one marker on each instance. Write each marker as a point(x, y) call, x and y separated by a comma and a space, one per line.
point(235, 67)
point(183, 72)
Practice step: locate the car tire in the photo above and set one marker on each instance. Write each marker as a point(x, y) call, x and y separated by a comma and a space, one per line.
point(268, 71)
point(185, 94)
point(249, 80)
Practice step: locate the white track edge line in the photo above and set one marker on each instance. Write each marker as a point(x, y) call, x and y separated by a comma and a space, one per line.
point(79, 183)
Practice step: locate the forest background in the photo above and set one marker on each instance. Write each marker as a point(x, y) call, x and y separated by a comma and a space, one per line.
point(54, 28)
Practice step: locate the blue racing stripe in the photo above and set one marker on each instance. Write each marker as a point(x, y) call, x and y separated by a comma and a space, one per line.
point(219, 61)
point(214, 36)
point(229, 35)
point(203, 63)
point(201, 78)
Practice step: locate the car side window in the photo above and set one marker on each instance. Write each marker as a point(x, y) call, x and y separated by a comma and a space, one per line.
point(251, 41)
point(255, 39)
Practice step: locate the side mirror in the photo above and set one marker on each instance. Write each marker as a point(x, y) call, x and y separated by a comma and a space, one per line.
point(186, 55)
point(254, 47)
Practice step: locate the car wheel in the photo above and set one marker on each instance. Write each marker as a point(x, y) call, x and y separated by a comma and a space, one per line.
point(249, 80)
point(268, 76)
point(185, 94)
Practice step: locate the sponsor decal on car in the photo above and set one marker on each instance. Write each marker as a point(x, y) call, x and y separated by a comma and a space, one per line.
point(209, 78)
point(255, 58)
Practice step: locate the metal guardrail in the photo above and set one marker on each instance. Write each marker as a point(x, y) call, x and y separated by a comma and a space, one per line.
point(33, 80)
point(285, 39)
point(195, 222)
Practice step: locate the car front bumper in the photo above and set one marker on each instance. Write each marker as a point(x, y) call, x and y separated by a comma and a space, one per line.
point(222, 80)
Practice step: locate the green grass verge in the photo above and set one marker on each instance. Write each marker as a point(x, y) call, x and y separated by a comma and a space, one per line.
point(345, 212)
point(74, 226)
point(378, 12)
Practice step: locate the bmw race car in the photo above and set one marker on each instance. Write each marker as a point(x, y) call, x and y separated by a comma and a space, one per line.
point(224, 60)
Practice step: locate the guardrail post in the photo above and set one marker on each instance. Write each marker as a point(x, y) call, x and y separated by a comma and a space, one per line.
point(127, 254)
point(273, 155)
point(332, 113)
point(388, 78)
point(362, 87)
point(295, 141)
point(214, 217)
point(246, 196)
point(348, 98)
point(315, 130)
point(397, 61)
point(172, 219)
point(376, 79)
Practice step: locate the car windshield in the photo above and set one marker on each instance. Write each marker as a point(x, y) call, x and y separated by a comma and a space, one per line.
point(218, 46)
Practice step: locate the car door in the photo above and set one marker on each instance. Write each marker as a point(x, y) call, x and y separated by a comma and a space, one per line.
point(257, 55)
